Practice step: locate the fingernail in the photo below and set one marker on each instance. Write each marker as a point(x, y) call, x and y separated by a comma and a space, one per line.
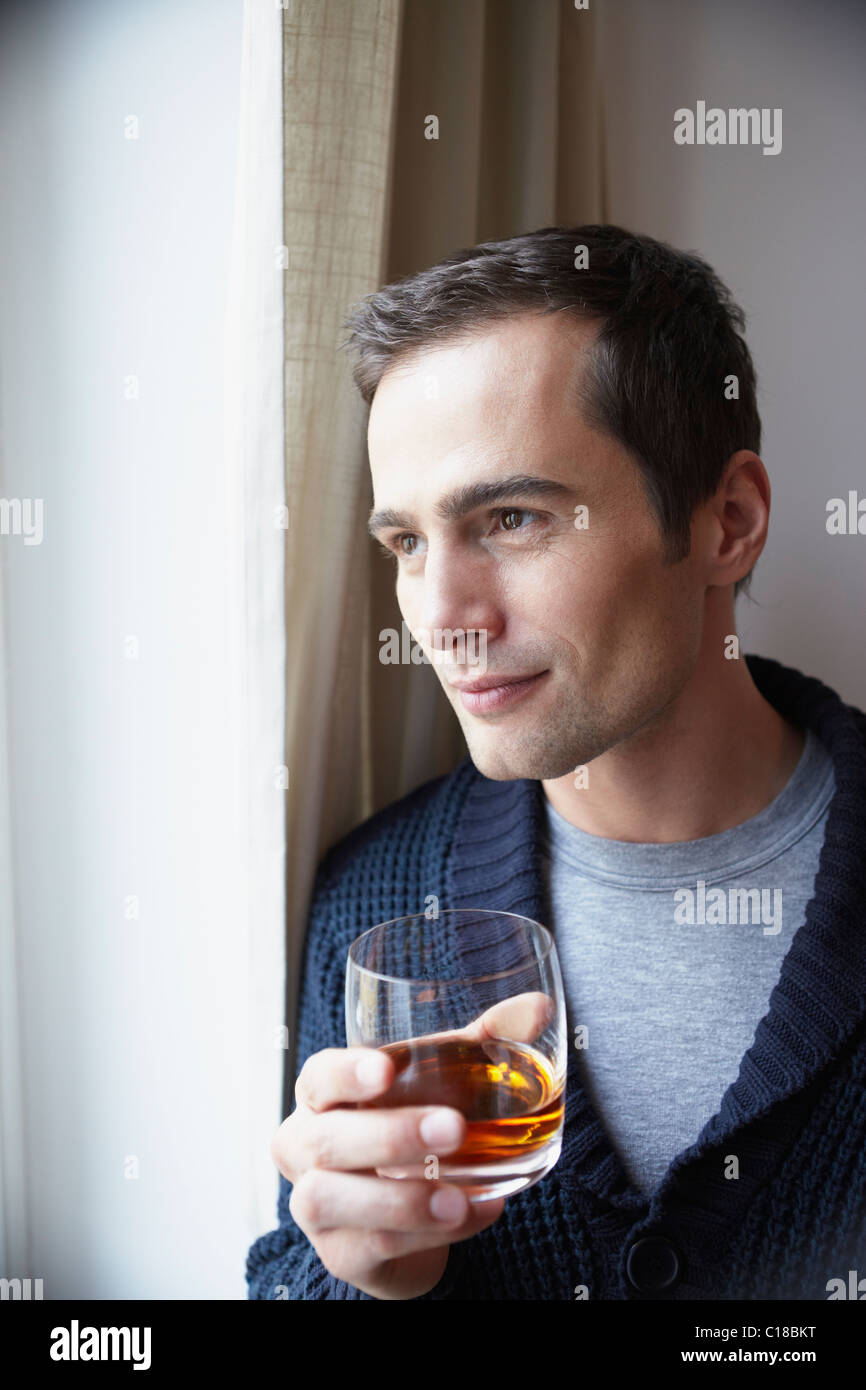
point(448, 1204)
point(441, 1129)
point(370, 1071)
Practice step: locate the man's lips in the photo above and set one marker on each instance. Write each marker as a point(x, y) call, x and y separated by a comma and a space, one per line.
point(494, 692)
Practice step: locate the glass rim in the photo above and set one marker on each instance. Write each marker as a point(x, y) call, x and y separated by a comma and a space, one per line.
point(547, 940)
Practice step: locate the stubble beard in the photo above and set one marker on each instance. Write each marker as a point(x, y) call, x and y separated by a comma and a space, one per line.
point(542, 747)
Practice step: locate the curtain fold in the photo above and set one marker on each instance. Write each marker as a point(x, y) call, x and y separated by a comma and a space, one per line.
point(339, 75)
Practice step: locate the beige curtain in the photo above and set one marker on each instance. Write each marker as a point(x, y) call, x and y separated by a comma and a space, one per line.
point(339, 79)
point(367, 198)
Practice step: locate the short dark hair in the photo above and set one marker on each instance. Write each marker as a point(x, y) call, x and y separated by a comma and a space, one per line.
point(655, 380)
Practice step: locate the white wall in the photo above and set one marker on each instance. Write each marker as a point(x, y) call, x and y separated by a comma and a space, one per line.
point(115, 254)
point(786, 232)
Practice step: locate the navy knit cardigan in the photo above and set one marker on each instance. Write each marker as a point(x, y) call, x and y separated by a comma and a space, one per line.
point(795, 1116)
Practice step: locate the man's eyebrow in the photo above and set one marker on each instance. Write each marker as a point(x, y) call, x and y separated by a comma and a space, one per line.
point(520, 486)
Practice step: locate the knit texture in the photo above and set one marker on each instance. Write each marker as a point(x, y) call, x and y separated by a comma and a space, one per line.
point(794, 1118)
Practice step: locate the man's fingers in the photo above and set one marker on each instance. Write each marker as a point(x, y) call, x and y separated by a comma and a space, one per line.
point(332, 1077)
point(384, 1245)
point(520, 1019)
point(356, 1223)
point(325, 1201)
point(353, 1139)
point(350, 1075)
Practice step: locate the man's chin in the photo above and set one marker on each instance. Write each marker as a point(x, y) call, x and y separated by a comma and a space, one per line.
point(511, 765)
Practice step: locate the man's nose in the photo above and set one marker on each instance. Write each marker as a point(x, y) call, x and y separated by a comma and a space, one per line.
point(459, 597)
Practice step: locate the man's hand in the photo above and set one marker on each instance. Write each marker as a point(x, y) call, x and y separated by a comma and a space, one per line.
point(389, 1237)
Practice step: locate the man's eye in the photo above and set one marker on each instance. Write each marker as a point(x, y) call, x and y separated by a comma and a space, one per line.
point(404, 546)
point(512, 518)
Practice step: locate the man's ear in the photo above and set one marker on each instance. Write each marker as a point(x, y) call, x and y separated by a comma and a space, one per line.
point(740, 511)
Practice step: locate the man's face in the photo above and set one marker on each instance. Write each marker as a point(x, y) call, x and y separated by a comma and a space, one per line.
point(589, 633)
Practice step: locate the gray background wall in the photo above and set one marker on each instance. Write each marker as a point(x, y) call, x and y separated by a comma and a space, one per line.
point(786, 232)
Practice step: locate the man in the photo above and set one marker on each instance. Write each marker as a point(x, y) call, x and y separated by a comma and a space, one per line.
point(563, 440)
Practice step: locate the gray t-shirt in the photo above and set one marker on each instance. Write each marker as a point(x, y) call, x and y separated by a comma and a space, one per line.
point(669, 954)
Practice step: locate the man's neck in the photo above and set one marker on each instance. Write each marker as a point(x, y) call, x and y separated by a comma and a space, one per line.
point(718, 755)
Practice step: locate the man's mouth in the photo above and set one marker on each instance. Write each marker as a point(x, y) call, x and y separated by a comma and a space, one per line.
point(495, 692)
